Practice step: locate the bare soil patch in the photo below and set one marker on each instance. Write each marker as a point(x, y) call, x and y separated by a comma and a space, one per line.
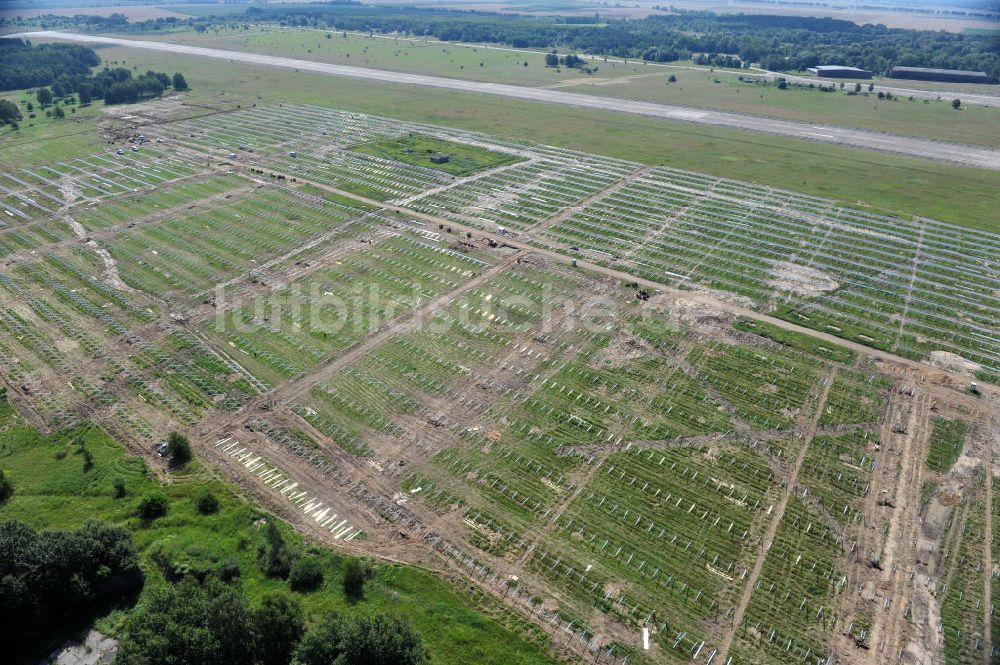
point(801, 280)
point(953, 363)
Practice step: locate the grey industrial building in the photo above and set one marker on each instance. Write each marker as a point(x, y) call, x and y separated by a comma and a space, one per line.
point(931, 74)
point(840, 72)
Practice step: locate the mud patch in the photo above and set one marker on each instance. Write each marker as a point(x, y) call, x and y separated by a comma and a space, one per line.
point(623, 349)
point(801, 280)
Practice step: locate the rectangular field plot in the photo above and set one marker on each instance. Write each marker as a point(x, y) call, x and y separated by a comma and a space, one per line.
point(793, 606)
point(133, 208)
point(669, 532)
point(549, 183)
point(351, 295)
point(26, 194)
point(24, 238)
point(259, 131)
point(364, 175)
point(457, 159)
point(913, 287)
point(190, 253)
point(896, 284)
point(75, 344)
point(421, 376)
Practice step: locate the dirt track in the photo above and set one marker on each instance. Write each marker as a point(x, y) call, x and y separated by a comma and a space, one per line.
point(809, 432)
point(856, 138)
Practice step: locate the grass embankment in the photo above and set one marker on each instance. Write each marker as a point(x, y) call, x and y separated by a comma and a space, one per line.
point(795, 340)
point(53, 490)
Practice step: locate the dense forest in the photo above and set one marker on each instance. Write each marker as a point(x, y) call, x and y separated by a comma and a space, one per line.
point(780, 43)
point(25, 66)
point(60, 70)
point(52, 578)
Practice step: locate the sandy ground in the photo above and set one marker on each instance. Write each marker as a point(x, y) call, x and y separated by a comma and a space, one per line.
point(856, 138)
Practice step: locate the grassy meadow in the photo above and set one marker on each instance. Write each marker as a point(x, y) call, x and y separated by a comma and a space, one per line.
point(635, 79)
point(53, 489)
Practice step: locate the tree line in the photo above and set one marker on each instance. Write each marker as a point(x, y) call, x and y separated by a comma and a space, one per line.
point(780, 43)
point(213, 623)
point(58, 73)
point(23, 65)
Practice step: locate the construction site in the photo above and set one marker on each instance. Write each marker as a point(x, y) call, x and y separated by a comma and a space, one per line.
point(666, 417)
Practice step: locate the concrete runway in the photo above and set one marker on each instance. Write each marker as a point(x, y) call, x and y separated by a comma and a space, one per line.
point(965, 155)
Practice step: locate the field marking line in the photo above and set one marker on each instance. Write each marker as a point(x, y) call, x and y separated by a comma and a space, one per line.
point(908, 297)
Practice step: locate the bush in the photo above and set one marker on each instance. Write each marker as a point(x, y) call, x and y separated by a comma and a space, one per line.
point(306, 575)
point(179, 449)
point(6, 488)
point(153, 506)
point(356, 573)
point(119, 487)
point(179, 82)
point(229, 570)
point(383, 639)
point(208, 504)
point(278, 626)
point(273, 554)
point(189, 623)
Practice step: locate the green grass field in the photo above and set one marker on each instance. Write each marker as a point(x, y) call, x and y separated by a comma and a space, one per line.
point(876, 181)
point(795, 340)
point(947, 442)
point(41, 139)
point(695, 86)
point(54, 491)
point(417, 150)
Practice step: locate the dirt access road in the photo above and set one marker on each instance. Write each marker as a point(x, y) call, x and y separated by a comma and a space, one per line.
point(956, 153)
